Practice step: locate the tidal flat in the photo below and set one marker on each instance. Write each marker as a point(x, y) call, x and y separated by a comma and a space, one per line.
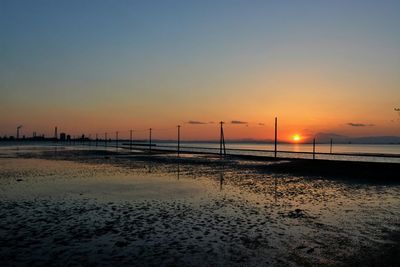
point(76, 207)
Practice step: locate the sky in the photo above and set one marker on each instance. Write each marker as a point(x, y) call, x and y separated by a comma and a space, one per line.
point(100, 66)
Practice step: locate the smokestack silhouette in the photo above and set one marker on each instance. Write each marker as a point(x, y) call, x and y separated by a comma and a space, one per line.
point(19, 127)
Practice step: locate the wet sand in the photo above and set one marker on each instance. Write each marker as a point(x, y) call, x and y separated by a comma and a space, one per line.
point(76, 207)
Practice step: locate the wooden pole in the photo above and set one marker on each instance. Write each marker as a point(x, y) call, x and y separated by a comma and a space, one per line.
point(105, 139)
point(179, 140)
point(276, 137)
point(150, 140)
point(314, 148)
point(223, 141)
point(331, 147)
point(116, 140)
point(130, 140)
point(220, 140)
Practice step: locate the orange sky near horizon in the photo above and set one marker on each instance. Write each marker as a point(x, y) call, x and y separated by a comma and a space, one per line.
point(304, 105)
point(92, 123)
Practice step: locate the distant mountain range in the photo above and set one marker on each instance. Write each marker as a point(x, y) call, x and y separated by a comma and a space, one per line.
point(325, 138)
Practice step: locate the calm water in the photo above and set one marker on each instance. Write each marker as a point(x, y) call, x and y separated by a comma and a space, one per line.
point(302, 150)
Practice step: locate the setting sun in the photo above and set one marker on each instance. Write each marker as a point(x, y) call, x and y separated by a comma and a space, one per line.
point(296, 137)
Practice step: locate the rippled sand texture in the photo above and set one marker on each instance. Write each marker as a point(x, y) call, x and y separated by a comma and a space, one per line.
point(100, 210)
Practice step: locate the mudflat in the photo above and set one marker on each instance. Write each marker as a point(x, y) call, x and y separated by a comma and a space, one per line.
point(99, 208)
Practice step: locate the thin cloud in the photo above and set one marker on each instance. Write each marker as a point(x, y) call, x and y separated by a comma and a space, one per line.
point(261, 124)
point(196, 122)
point(239, 122)
point(360, 124)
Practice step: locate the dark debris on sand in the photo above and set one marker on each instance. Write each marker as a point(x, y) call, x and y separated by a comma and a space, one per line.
point(44, 232)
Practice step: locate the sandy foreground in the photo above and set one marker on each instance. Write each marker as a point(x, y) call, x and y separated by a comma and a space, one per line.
point(99, 208)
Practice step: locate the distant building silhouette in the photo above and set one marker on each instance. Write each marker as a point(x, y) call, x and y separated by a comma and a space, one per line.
point(62, 136)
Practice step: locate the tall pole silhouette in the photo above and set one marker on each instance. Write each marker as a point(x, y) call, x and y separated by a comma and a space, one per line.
point(116, 140)
point(313, 155)
point(150, 140)
point(330, 150)
point(105, 139)
point(97, 139)
point(222, 140)
point(276, 136)
point(130, 140)
point(179, 140)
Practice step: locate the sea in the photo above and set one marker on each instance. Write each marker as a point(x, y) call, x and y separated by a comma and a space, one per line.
point(353, 152)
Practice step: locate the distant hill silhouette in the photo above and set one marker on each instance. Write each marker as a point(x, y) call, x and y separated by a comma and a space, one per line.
point(325, 138)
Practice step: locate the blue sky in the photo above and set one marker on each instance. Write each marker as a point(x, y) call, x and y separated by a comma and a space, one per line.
point(144, 56)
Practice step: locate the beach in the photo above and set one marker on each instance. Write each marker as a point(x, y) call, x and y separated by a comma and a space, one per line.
point(77, 207)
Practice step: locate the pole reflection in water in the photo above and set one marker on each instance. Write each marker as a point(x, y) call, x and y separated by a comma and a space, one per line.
point(275, 189)
point(178, 171)
point(150, 167)
point(55, 152)
point(221, 177)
